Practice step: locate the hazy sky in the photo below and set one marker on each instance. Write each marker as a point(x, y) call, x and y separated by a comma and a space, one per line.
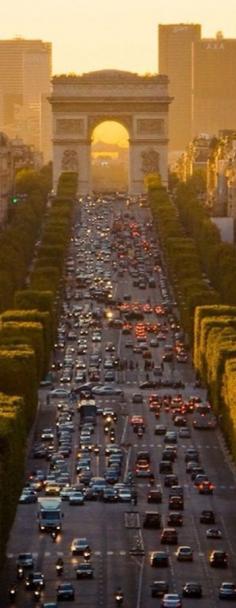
point(96, 34)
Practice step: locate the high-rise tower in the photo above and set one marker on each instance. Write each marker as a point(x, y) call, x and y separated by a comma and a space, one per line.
point(25, 75)
point(176, 60)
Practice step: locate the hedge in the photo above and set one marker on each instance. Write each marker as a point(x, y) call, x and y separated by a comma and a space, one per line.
point(12, 459)
point(30, 333)
point(183, 262)
point(228, 411)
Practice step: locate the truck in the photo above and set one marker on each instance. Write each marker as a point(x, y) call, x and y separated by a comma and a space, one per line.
point(87, 411)
point(49, 514)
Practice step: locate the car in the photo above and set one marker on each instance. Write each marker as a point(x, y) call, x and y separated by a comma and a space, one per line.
point(79, 546)
point(171, 600)
point(109, 495)
point(25, 560)
point(137, 398)
point(34, 580)
point(206, 487)
point(152, 519)
point(76, 498)
point(155, 495)
point(192, 589)
point(170, 480)
point(28, 497)
point(214, 533)
point(65, 591)
point(107, 390)
point(218, 559)
point(124, 495)
point(59, 392)
point(227, 591)
point(184, 554)
point(159, 559)
point(184, 432)
point(159, 588)
point(169, 536)
point(84, 570)
point(49, 605)
point(160, 429)
point(175, 519)
point(207, 516)
point(176, 503)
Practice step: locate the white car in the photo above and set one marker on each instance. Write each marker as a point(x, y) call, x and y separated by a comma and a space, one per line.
point(76, 498)
point(171, 600)
point(124, 495)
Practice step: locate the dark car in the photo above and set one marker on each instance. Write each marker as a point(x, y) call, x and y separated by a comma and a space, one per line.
point(159, 588)
point(165, 466)
point(192, 590)
point(155, 495)
point(227, 591)
point(176, 503)
point(175, 519)
point(84, 570)
point(170, 481)
point(34, 580)
point(65, 591)
point(159, 559)
point(218, 559)
point(207, 517)
point(152, 519)
point(25, 560)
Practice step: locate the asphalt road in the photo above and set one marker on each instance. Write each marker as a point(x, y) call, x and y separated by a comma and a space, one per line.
point(113, 529)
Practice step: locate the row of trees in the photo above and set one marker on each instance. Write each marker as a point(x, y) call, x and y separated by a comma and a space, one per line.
point(215, 361)
point(26, 338)
point(18, 238)
point(190, 285)
point(218, 259)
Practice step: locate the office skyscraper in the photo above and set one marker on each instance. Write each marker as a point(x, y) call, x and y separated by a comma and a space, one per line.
point(214, 85)
point(25, 74)
point(176, 60)
point(202, 81)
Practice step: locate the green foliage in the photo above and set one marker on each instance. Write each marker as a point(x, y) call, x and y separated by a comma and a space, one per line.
point(18, 377)
point(67, 184)
point(228, 411)
point(207, 311)
point(30, 333)
point(218, 259)
point(12, 458)
point(32, 316)
point(183, 261)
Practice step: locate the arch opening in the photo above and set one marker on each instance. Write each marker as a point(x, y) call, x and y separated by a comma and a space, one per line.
point(109, 157)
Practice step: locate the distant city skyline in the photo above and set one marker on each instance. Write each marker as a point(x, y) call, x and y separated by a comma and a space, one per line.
point(95, 34)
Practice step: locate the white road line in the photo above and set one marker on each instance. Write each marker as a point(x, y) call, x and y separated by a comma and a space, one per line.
point(124, 429)
point(140, 583)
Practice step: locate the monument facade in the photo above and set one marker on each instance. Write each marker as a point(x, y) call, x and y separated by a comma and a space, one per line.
point(139, 103)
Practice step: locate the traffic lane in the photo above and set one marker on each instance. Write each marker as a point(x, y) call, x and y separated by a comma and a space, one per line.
point(187, 539)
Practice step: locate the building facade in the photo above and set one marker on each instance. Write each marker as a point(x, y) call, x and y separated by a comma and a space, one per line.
point(202, 81)
point(25, 75)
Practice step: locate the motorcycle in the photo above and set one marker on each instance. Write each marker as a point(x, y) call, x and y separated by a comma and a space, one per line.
point(20, 573)
point(54, 536)
point(87, 555)
point(59, 569)
point(37, 594)
point(119, 598)
point(12, 594)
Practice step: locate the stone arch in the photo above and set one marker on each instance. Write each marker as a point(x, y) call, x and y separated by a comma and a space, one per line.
point(139, 103)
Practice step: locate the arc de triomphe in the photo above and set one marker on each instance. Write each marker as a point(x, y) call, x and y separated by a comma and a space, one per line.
point(139, 103)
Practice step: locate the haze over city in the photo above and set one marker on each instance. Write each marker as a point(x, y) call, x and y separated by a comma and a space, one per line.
point(95, 34)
